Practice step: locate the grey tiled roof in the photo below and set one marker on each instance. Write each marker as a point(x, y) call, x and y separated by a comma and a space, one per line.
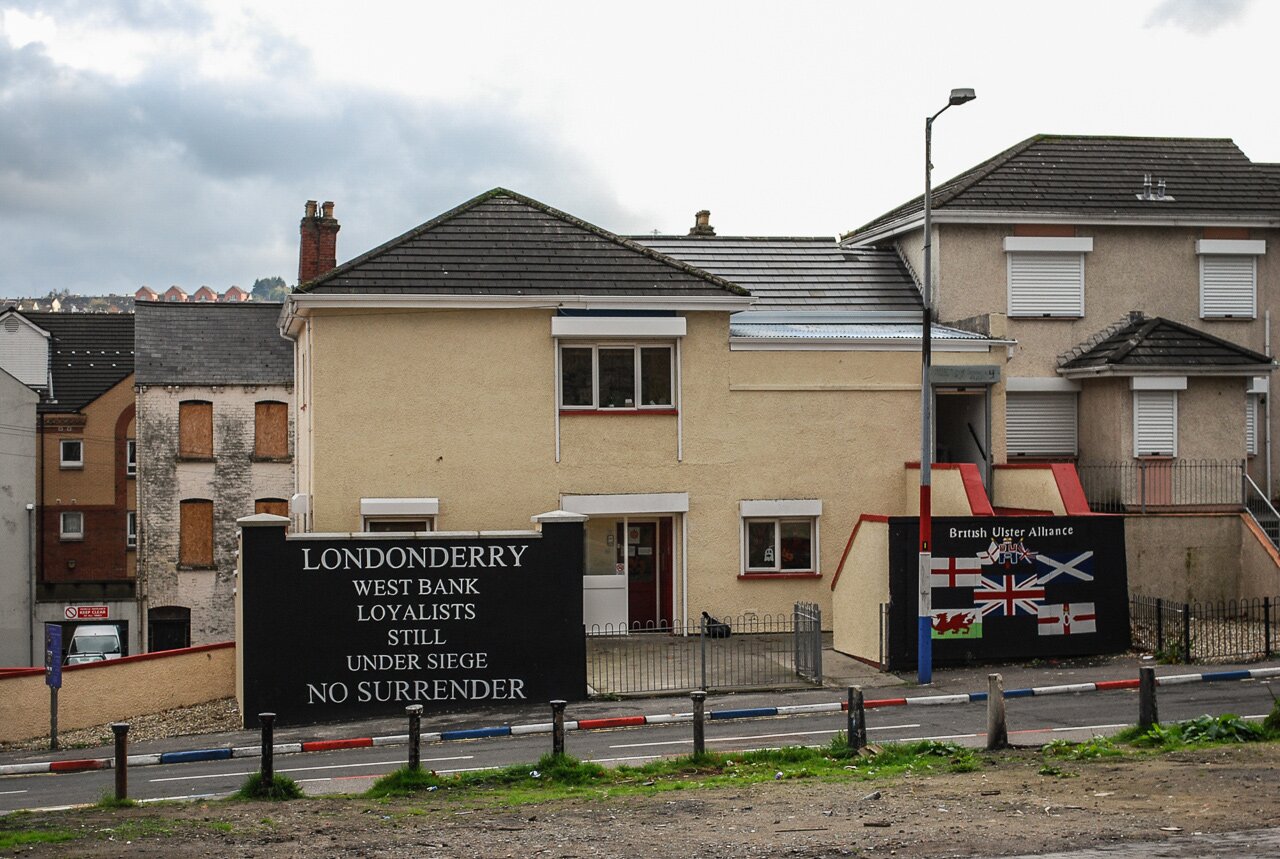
point(207, 343)
point(813, 274)
point(1156, 343)
point(1103, 177)
point(502, 243)
point(90, 353)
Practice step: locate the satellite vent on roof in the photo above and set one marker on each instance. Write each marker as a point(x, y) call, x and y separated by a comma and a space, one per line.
point(1157, 194)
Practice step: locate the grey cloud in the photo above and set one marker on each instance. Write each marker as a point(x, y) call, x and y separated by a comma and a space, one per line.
point(106, 186)
point(132, 14)
point(1197, 16)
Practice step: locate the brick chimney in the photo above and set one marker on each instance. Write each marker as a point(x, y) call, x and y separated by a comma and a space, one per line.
point(318, 251)
point(702, 224)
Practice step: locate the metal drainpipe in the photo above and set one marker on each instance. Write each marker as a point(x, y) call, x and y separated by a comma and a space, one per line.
point(31, 590)
point(1267, 405)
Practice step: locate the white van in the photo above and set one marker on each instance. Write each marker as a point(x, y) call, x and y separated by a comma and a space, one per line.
point(94, 643)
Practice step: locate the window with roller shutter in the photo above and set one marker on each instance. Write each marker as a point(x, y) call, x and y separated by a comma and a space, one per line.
point(1046, 284)
point(1041, 424)
point(1251, 424)
point(1228, 286)
point(1155, 423)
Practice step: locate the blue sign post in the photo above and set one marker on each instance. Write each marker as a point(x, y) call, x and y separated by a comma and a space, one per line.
point(53, 676)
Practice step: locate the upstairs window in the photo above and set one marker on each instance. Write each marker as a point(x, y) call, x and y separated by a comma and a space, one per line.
point(621, 377)
point(195, 429)
point(71, 453)
point(131, 530)
point(195, 533)
point(131, 458)
point(1046, 275)
point(274, 506)
point(1229, 277)
point(271, 430)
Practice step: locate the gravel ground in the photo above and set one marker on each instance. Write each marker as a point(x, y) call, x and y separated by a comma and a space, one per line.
point(210, 718)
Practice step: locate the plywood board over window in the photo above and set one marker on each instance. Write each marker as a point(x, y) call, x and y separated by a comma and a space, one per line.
point(195, 429)
point(195, 540)
point(271, 430)
point(274, 506)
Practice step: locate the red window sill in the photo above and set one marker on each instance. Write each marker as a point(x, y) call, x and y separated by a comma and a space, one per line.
point(756, 576)
point(619, 411)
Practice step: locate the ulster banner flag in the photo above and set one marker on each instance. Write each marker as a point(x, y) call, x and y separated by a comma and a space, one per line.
point(1067, 618)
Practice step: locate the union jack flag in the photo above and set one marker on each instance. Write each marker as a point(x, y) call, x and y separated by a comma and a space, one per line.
point(1067, 618)
point(955, 572)
point(1008, 596)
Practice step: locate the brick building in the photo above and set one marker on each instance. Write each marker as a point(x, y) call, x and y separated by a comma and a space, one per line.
point(214, 393)
point(81, 366)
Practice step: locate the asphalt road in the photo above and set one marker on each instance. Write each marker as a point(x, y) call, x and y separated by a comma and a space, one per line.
point(1031, 721)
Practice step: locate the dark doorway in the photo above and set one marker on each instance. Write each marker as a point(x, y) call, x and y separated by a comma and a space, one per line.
point(646, 549)
point(168, 628)
point(962, 429)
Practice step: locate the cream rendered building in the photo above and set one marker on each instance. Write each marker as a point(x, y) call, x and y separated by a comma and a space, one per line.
point(505, 359)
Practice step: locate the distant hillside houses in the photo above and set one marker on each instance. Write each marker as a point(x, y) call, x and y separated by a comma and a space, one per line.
point(64, 302)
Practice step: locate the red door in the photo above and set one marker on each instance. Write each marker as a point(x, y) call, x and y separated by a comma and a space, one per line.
point(646, 547)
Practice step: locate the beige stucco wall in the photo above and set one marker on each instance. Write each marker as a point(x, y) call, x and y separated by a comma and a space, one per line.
point(100, 692)
point(460, 405)
point(1210, 419)
point(862, 588)
point(1028, 489)
point(947, 494)
point(1198, 557)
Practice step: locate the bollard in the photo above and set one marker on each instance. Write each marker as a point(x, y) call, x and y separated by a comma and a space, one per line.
point(557, 727)
point(268, 748)
point(415, 736)
point(1147, 714)
point(857, 719)
point(997, 730)
point(699, 722)
point(121, 730)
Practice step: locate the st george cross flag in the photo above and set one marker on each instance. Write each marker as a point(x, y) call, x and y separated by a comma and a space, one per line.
point(1067, 618)
point(955, 572)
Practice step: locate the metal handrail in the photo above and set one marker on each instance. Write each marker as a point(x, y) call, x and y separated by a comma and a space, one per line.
point(1262, 511)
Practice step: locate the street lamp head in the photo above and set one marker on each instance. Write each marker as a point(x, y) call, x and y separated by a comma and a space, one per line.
point(960, 96)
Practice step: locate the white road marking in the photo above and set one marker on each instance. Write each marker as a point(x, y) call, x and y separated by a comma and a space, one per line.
point(753, 737)
point(10, 792)
point(396, 761)
point(628, 758)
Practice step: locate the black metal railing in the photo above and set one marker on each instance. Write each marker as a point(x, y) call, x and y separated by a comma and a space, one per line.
point(1143, 486)
point(1228, 630)
point(738, 652)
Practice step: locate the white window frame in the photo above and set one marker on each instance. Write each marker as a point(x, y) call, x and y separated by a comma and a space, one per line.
point(131, 530)
point(637, 371)
point(63, 460)
point(778, 512)
point(131, 458)
point(367, 521)
point(1139, 395)
point(1239, 311)
point(1048, 249)
point(67, 533)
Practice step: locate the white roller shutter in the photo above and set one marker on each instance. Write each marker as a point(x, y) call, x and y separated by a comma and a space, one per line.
point(1040, 424)
point(1228, 286)
point(1251, 424)
point(1046, 284)
point(1155, 423)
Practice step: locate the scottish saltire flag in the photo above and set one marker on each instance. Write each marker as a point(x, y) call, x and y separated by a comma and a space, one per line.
point(956, 623)
point(955, 572)
point(1077, 566)
point(1008, 595)
point(1067, 618)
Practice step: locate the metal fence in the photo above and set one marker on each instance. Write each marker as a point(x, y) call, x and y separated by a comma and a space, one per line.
point(1229, 630)
point(1255, 501)
point(1142, 486)
point(745, 652)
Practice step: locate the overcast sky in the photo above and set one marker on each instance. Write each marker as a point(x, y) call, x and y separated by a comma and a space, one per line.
point(156, 142)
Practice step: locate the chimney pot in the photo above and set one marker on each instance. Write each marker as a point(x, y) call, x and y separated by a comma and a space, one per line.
point(318, 248)
point(702, 224)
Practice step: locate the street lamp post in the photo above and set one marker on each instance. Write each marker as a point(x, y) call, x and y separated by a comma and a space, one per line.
point(924, 649)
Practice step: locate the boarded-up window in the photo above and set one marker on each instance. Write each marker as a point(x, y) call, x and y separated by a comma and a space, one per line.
point(195, 542)
point(274, 506)
point(195, 429)
point(271, 430)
